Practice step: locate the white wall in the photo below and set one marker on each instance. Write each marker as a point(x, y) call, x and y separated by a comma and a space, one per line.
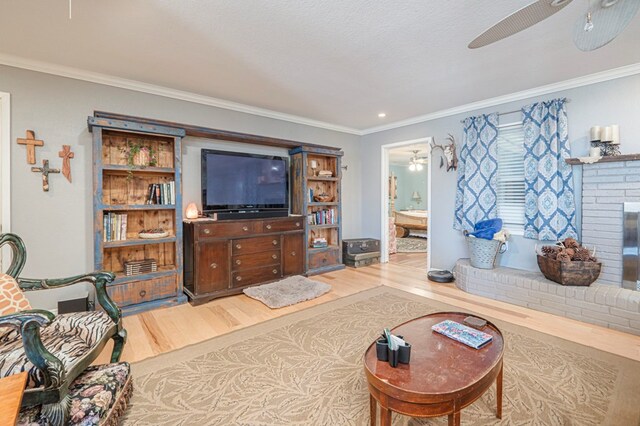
point(612, 102)
point(58, 226)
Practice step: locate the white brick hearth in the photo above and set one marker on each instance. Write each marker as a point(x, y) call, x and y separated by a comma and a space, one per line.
point(603, 305)
point(606, 186)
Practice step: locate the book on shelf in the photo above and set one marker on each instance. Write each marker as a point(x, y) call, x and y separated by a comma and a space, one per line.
point(137, 267)
point(323, 217)
point(319, 242)
point(463, 334)
point(114, 227)
point(162, 193)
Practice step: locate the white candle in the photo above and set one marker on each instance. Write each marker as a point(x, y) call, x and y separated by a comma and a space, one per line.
point(615, 134)
point(595, 133)
point(606, 134)
point(594, 151)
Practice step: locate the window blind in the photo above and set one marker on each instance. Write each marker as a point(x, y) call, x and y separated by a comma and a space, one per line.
point(510, 149)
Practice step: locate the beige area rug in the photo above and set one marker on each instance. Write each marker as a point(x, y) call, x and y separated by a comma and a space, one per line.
point(412, 245)
point(288, 291)
point(306, 369)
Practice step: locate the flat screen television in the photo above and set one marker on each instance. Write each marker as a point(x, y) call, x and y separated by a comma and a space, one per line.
point(238, 184)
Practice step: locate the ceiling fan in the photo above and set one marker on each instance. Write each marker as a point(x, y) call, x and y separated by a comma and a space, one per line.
point(602, 22)
point(416, 163)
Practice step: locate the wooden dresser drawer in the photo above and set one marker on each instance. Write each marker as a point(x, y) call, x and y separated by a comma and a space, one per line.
point(143, 291)
point(229, 229)
point(256, 275)
point(255, 260)
point(255, 245)
point(282, 225)
point(324, 258)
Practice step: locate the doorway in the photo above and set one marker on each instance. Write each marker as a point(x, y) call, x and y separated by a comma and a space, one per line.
point(5, 173)
point(406, 202)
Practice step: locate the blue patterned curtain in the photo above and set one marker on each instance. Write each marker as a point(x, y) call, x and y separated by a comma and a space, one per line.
point(550, 209)
point(476, 195)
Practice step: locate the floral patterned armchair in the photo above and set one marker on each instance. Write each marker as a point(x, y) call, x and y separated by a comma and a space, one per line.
point(53, 349)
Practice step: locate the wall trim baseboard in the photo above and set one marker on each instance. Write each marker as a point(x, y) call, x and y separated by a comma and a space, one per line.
point(138, 86)
point(152, 89)
point(573, 83)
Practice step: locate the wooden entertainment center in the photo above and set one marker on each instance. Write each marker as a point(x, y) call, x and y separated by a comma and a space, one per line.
point(220, 257)
point(223, 257)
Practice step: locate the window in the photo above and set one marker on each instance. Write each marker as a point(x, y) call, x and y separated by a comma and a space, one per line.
point(511, 176)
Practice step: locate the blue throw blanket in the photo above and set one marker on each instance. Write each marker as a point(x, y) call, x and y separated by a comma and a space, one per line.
point(486, 229)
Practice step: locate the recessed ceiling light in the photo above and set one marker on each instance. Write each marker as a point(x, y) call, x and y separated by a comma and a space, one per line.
point(382, 115)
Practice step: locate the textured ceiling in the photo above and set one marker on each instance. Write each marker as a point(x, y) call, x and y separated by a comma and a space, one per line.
point(335, 61)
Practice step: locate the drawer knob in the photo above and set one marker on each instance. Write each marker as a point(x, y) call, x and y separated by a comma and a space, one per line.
point(293, 253)
point(298, 224)
point(238, 246)
point(238, 278)
point(207, 231)
point(274, 256)
point(143, 293)
point(245, 228)
point(238, 262)
point(268, 226)
point(274, 242)
point(275, 271)
point(213, 265)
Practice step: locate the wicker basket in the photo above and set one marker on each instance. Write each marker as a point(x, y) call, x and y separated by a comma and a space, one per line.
point(483, 252)
point(569, 273)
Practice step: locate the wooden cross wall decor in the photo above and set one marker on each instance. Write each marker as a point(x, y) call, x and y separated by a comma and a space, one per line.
point(31, 142)
point(45, 170)
point(66, 156)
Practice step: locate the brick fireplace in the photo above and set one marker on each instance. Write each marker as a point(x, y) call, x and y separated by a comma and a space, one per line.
point(607, 187)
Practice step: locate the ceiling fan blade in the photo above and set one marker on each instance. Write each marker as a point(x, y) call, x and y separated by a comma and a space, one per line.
point(518, 21)
point(609, 19)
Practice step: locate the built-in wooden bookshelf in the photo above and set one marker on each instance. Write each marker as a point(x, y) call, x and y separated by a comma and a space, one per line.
point(324, 217)
point(124, 186)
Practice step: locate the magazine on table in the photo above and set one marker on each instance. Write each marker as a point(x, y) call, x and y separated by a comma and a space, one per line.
point(463, 334)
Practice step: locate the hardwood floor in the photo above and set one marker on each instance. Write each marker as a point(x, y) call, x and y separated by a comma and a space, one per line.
point(162, 330)
point(413, 260)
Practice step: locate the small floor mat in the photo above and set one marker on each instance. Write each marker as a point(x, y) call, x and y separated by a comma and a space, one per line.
point(288, 291)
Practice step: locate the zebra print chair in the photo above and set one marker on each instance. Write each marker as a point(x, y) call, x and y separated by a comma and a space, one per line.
point(53, 349)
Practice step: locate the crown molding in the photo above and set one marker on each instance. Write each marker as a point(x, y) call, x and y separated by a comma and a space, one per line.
point(586, 80)
point(138, 86)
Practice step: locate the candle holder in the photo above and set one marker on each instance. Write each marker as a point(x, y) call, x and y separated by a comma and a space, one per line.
point(607, 149)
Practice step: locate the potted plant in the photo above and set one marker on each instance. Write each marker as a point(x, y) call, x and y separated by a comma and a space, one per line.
point(139, 156)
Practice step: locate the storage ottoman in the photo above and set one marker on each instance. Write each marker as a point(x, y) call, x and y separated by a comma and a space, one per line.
point(99, 396)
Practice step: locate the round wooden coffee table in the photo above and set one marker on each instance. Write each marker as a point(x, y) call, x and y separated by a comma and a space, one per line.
point(444, 376)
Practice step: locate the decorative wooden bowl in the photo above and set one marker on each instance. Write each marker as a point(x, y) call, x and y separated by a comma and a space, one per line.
point(569, 273)
point(323, 198)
